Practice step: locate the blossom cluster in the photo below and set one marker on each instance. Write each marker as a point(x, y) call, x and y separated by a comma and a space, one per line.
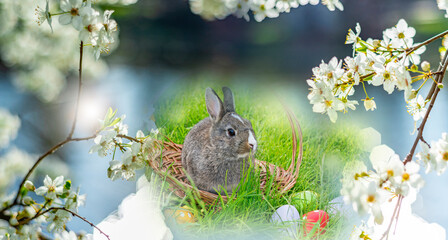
point(94, 29)
point(443, 5)
point(135, 152)
point(434, 158)
point(40, 58)
point(383, 62)
point(260, 9)
point(58, 200)
point(367, 190)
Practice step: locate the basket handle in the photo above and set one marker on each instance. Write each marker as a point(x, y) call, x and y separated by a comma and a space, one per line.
point(294, 167)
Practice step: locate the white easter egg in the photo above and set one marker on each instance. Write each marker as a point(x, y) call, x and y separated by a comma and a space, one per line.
point(289, 217)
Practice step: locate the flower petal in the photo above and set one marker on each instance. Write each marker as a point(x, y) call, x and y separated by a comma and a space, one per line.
point(58, 181)
point(65, 19)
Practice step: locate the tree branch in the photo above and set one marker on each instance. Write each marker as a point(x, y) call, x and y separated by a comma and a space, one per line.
point(72, 130)
point(439, 79)
point(62, 143)
point(412, 49)
point(38, 161)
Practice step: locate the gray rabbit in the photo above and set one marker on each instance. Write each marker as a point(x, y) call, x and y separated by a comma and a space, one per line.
point(219, 147)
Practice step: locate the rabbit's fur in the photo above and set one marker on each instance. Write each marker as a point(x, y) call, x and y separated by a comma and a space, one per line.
point(212, 155)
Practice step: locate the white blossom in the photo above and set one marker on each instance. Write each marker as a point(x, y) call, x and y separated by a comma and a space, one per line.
point(91, 26)
point(57, 220)
point(242, 9)
point(416, 107)
point(43, 15)
point(414, 57)
point(427, 157)
point(441, 149)
point(329, 105)
point(401, 35)
point(385, 75)
point(131, 155)
point(64, 235)
point(73, 15)
point(333, 4)
point(109, 26)
point(286, 5)
point(103, 143)
point(312, 2)
point(263, 9)
point(409, 178)
point(353, 37)
point(356, 67)
point(51, 188)
point(74, 201)
point(362, 232)
point(443, 5)
point(386, 163)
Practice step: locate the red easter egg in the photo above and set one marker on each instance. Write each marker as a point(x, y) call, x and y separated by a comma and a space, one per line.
point(312, 218)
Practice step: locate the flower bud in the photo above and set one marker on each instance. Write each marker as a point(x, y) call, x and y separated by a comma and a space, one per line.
point(440, 85)
point(28, 200)
point(13, 220)
point(29, 185)
point(376, 43)
point(412, 95)
point(425, 66)
point(369, 104)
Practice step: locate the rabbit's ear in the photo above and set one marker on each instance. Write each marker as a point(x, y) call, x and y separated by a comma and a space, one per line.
point(229, 102)
point(214, 105)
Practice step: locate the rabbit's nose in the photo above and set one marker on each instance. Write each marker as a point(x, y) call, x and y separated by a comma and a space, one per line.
point(252, 142)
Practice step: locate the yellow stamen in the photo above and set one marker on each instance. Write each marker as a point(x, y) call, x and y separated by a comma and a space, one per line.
point(405, 176)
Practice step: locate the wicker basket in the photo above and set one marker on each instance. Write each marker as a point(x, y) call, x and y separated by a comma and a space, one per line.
point(168, 165)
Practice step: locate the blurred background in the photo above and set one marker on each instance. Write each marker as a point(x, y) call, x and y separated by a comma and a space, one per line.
point(162, 43)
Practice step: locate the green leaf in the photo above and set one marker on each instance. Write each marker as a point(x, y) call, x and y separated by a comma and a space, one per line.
point(109, 116)
point(23, 191)
point(114, 122)
point(362, 49)
point(368, 78)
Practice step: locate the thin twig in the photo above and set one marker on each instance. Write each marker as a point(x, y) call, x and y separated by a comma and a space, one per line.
point(399, 203)
point(62, 143)
point(129, 138)
point(67, 210)
point(72, 130)
point(386, 234)
point(412, 49)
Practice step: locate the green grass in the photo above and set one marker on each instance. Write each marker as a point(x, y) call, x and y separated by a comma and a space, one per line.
point(326, 150)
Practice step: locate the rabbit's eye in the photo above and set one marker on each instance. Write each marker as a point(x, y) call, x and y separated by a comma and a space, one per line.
point(231, 132)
